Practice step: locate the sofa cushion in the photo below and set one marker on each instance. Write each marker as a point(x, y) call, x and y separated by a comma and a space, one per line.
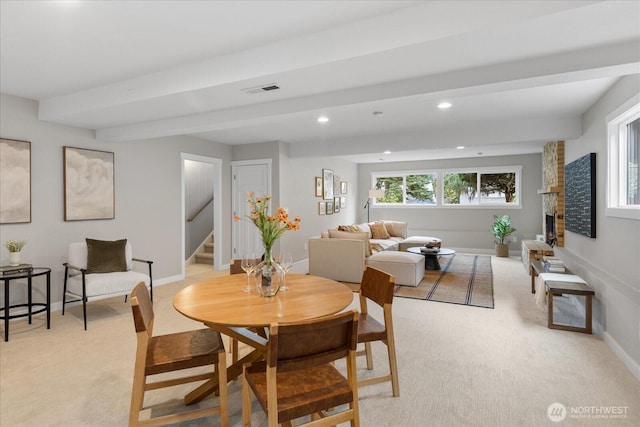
point(391, 244)
point(337, 234)
point(378, 230)
point(396, 228)
point(104, 256)
point(365, 227)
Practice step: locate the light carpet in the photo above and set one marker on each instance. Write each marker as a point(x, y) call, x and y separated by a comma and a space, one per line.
point(463, 279)
point(457, 366)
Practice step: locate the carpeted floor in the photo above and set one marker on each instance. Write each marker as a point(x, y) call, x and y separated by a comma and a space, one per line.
point(463, 279)
point(459, 366)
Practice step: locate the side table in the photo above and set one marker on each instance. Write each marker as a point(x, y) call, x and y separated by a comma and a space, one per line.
point(45, 306)
point(431, 258)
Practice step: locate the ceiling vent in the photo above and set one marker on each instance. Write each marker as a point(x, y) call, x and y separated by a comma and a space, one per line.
point(262, 88)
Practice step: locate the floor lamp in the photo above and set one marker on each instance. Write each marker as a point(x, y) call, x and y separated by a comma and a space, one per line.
point(373, 194)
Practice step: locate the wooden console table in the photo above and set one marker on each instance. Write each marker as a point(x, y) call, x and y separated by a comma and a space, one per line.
point(556, 288)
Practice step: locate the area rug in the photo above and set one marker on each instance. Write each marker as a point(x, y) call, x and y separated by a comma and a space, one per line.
point(463, 279)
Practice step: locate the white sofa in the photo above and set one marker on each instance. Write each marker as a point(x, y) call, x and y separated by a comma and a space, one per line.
point(343, 255)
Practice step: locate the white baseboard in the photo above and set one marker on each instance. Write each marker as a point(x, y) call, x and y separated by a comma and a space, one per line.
point(622, 355)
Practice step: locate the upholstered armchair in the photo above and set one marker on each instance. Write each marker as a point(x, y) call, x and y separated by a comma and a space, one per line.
point(97, 269)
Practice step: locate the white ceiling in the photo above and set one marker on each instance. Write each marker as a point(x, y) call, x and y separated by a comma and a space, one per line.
point(518, 73)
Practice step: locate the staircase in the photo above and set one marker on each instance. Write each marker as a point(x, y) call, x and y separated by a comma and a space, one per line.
point(206, 256)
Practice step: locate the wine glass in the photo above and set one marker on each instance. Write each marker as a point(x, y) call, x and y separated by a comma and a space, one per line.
point(286, 261)
point(249, 262)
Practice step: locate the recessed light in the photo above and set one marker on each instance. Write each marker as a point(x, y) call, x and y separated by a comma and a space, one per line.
point(444, 105)
point(378, 113)
point(460, 147)
point(387, 152)
point(323, 119)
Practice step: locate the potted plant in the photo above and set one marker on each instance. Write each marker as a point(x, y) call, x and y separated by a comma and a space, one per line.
point(14, 247)
point(502, 229)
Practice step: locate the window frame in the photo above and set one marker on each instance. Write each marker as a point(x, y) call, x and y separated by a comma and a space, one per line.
point(439, 176)
point(617, 123)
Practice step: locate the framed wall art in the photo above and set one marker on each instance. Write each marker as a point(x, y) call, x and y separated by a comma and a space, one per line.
point(580, 196)
point(343, 187)
point(343, 202)
point(327, 185)
point(322, 208)
point(318, 186)
point(336, 204)
point(330, 208)
point(89, 188)
point(15, 181)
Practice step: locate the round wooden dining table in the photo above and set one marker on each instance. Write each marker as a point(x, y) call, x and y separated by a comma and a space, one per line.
point(221, 304)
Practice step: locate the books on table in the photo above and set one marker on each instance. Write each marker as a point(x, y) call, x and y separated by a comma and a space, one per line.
point(6, 270)
point(553, 264)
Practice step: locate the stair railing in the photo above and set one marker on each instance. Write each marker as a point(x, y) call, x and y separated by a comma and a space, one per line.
point(200, 210)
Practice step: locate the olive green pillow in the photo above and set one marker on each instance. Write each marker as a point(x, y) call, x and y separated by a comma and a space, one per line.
point(104, 256)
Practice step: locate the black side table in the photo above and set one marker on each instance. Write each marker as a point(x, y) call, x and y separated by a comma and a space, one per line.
point(46, 306)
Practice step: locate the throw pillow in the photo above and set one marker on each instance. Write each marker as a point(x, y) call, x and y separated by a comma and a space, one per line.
point(393, 228)
point(378, 231)
point(104, 256)
point(350, 228)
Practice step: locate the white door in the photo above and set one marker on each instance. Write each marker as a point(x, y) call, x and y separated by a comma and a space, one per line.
point(248, 176)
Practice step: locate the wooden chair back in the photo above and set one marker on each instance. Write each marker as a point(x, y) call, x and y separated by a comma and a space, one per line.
point(142, 309)
point(377, 286)
point(312, 343)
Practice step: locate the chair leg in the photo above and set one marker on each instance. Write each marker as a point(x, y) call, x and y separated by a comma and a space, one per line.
point(246, 401)
point(393, 368)
point(369, 356)
point(137, 397)
point(64, 290)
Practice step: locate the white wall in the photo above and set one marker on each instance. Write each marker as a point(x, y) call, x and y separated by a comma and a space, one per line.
point(610, 263)
point(458, 227)
point(148, 194)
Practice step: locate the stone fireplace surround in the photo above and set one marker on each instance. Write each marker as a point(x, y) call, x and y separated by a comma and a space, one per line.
point(553, 193)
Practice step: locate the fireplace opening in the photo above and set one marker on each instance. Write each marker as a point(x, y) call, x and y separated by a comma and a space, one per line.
point(550, 230)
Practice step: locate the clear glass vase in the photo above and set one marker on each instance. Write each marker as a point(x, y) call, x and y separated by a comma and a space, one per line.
point(268, 276)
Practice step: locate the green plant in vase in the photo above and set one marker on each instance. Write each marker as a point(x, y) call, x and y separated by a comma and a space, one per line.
point(501, 230)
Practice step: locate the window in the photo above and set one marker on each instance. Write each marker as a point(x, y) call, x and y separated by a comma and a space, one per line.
point(409, 189)
point(623, 198)
point(460, 188)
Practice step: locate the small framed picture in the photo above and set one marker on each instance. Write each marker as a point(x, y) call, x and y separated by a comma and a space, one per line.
point(343, 202)
point(318, 186)
point(329, 208)
point(322, 208)
point(343, 187)
point(336, 204)
point(327, 184)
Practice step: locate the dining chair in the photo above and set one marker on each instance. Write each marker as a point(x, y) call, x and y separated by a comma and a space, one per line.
point(377, 286)
point(298, 378)
point(173, 352)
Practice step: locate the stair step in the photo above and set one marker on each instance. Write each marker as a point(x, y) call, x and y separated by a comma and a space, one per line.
point(204, 258)
point(208, 248)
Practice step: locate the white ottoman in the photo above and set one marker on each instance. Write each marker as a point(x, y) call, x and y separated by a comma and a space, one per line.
point(418, 241)
point(407, 268)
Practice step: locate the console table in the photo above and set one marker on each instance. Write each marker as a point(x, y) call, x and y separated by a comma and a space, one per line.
point(42, 306)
